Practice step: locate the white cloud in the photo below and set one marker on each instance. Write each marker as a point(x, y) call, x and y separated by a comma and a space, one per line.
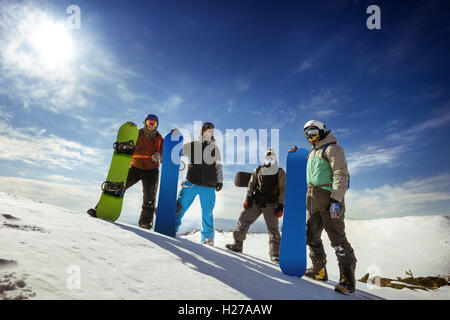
point(374, 156)
point(33, 146)
point(441, 119)
point(229, 201)
point(327, 101)
point(326, 113)
point(126, 95)
point(74, 197)
point(174, 101)
point(230, 104)
point(344, 132)
point(61, 179)
point(170, 104)
point(42, 70)
point(409, 198)
point(434, 123)
point(303, 66)
point(38, 65)
point(242, 86)
point(5, 115)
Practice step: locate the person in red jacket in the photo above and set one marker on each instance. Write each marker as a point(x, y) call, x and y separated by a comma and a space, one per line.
point(145, 167)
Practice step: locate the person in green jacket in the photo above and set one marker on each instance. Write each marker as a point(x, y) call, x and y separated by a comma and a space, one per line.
point(327, 177)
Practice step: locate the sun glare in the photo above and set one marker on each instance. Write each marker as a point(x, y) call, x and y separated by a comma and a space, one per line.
point(52, 43)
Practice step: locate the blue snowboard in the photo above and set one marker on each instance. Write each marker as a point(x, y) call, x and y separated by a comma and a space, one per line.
point(167, 200)
point(293, 237)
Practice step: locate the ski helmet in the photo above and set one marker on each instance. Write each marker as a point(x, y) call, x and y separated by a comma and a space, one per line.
point(314, 131)
point(315, 123)
point(151, 117)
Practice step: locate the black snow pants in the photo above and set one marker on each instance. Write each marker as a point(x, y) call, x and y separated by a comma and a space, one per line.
point(149, 180)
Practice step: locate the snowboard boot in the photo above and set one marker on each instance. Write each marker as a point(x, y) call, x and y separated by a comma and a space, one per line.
point(347, 281)
point(236, 246)
point(92, 212)
point(275, 259)
point(146, 219)
point(317, 273)
point(145, 225)
point(209, 242)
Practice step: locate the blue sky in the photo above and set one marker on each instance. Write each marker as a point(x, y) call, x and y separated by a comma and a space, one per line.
point(240, 64)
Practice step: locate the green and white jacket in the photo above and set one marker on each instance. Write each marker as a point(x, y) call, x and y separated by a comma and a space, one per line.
point(328, 171)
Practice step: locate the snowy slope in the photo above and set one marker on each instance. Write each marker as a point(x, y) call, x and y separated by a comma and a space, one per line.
point(48, 252)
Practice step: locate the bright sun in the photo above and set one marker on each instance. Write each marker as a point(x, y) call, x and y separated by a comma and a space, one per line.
point(53, 44)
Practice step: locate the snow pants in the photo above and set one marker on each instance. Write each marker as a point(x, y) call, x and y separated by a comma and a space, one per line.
point(318, 219)
point(149, 180)
point(250, 215)
point(207, 201)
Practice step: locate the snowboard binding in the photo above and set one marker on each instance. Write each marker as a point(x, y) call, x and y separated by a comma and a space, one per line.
point(116, 189)
point(126, 147)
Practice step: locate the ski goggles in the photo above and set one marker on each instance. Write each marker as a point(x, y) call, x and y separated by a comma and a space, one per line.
point(312, 133)
point(151, 123)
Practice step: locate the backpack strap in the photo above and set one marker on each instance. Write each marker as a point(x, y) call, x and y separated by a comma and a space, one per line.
point(323, 157)
point(258, 169)
point(325, 148)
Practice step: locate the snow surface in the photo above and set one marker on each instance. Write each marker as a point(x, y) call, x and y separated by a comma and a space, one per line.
point(60, 254)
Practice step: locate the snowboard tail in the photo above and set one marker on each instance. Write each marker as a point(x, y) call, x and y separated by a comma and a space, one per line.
point(110, 204)
point(242, 179)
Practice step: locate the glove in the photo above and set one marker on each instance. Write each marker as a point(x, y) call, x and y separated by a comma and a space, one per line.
point(335, 209)
point(131, 123)
point(279, 211)
point(248, 203)
point(219, 187)
point(156, 157)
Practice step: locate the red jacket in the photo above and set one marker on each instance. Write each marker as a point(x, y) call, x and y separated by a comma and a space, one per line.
point(145, 148)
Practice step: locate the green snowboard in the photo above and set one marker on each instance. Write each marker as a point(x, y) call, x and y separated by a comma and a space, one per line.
point(110, 204)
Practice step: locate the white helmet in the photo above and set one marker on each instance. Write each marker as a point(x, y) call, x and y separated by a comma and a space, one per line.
point(315, 123)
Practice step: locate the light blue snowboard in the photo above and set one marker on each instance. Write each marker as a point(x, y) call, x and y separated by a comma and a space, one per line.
point(167, 200)
point(293, 237)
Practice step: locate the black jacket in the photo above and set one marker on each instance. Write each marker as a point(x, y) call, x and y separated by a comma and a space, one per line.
point(205, 167)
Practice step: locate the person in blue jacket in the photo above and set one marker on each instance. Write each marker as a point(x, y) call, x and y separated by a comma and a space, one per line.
point(204, 177)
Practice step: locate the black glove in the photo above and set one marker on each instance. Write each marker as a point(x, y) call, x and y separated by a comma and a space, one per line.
point(248, 203)
point(219, 186)
point(279, 210)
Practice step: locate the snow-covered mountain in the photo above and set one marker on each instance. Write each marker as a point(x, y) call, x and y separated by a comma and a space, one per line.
point(49, 252)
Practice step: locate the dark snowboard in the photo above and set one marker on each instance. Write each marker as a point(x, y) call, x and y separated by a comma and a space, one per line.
point(241, 179)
